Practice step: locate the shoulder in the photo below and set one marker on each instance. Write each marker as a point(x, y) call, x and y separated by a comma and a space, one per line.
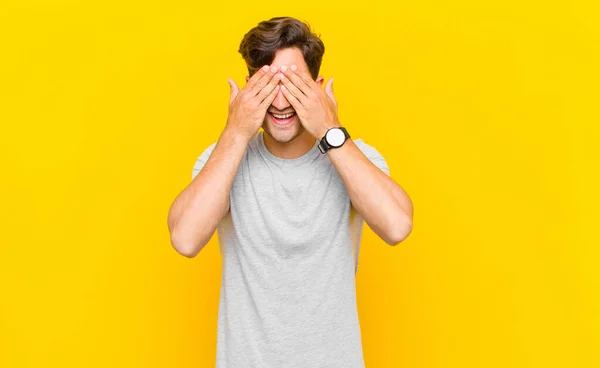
point(372, 154)
point(365, 148)
point(201, 160)
point(368, 150)
point(206, 153)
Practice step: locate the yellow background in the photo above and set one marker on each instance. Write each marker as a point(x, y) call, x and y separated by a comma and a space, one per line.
point(487, 113)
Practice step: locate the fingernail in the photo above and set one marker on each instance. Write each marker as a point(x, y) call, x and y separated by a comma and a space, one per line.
point(283, 68)
point(265, 68)
point(293, 67)
point(273, 69)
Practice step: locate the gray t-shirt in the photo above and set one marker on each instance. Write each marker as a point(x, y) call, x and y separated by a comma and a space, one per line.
point(289, 247)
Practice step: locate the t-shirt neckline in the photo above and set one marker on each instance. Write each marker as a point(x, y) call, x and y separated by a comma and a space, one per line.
point(313, 152)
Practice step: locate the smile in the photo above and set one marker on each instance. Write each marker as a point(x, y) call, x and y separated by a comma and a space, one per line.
point(282, 119)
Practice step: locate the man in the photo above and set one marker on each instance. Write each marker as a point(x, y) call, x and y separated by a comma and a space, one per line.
point(288, 203)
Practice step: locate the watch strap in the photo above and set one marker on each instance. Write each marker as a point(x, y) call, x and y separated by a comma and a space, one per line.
point(324, 146)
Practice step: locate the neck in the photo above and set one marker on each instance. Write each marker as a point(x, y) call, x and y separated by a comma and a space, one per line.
point(293, 149)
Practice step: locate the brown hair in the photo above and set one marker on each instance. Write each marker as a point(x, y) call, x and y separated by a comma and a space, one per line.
point(259, 45)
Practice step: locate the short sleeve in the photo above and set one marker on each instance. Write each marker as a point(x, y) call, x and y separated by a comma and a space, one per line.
point(373, 155)
point(202, 160)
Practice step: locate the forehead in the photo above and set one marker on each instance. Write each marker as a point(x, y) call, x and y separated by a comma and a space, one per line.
point(288, 57)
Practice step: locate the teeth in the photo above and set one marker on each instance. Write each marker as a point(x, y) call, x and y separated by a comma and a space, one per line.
point(283, 116)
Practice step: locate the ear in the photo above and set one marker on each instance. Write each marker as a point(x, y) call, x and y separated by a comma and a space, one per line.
point(320, 80)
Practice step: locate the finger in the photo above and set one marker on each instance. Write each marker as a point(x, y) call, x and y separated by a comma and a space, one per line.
point(262, 82)
point(268, 88)
point(269, 99)
point(233, 89)
point(257, 76)
point(329, 90)
point(291, 98)
point(291, 87)
point(305, 76)
point(303, 82)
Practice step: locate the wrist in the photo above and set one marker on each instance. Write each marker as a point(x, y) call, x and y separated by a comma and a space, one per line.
point(236, 135)
point(320, 133)
point(334, 137)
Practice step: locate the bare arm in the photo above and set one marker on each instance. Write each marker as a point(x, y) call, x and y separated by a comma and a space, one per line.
point(383, 204)
point(198, 209)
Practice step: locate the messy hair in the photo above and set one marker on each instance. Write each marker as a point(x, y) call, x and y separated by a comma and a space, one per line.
point(259, 45)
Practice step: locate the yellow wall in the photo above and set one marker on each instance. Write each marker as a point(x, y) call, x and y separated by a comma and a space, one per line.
point(487, 113)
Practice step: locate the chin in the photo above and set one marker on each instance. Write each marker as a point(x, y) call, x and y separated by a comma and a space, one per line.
point(283, 134)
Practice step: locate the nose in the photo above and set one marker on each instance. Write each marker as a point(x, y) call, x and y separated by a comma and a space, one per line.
point(280, 102)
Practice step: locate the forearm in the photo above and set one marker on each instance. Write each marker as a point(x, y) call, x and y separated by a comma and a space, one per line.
point(382, 203)
point(198, 209)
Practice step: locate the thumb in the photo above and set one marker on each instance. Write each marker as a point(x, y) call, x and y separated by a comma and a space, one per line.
point(233, 89)
point(329, 90)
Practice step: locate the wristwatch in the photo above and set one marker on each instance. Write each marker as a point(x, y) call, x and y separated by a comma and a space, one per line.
point(333, 138)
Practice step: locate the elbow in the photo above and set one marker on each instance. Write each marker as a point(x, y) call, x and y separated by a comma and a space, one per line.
point(182, 241)
point(399, 232)
point(188, 252)
point(185, 248)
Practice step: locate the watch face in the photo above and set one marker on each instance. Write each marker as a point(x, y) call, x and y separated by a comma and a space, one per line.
point(335, 137)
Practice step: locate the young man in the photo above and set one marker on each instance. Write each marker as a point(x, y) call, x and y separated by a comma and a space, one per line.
point(288, 203)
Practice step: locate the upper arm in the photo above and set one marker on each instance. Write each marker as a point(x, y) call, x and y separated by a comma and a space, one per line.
point(201, 161)
point(378, 160)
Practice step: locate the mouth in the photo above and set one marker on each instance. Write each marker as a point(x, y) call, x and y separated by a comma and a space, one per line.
point(282, 119)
